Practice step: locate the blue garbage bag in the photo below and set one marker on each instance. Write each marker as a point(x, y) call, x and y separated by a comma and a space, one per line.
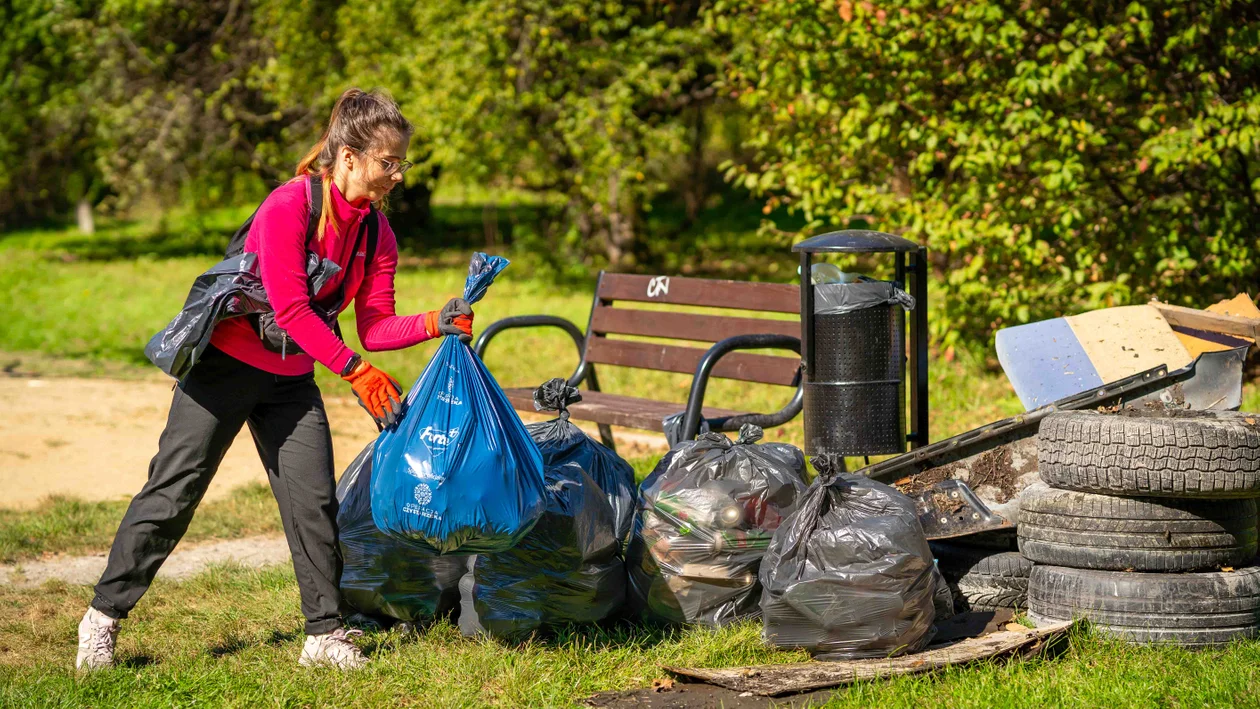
point(459, 472)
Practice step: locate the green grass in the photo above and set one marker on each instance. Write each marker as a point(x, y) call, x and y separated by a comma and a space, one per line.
point(219, 638)
point(69, 525)
point(231, 637)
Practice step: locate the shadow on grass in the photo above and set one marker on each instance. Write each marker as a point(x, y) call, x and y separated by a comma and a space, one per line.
point(136, 662)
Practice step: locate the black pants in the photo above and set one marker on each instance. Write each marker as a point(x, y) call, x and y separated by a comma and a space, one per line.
point(287, 419)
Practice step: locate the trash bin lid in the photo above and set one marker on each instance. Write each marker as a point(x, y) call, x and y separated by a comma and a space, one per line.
point(855, 241)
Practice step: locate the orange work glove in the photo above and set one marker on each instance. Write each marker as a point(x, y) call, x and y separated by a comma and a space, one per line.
point(378, 393)
point(455, 318)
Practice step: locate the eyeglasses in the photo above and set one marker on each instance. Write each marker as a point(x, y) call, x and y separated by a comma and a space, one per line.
point(389, 166)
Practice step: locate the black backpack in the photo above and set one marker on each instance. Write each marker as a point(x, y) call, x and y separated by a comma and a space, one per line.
point(273, 337)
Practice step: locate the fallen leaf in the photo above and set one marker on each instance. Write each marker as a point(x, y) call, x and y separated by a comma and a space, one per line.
point(1250, 420)
point(1015, 627)
point(662, 685)
point(1227, 568)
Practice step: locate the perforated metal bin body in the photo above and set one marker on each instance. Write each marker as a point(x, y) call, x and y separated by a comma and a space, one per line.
point(856, 395)
point(856, 363)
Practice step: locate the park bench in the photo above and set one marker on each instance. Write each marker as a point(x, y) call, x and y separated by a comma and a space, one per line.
point(604, 344)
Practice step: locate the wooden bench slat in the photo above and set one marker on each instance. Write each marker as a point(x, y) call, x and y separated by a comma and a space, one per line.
point(739, 295)
point(685, 326)
point(764, 369)
point(616, 410)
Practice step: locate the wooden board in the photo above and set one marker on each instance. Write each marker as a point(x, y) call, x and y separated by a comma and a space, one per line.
point(1127, 340)
point(616, 410)
point(763, 369)
point(739, 295)
point(1212, 322)
point(777, 680)
point(1197, 341)
point(685, 326)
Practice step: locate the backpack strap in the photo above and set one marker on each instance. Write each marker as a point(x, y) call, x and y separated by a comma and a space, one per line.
point(315, 198)
point(374, 227)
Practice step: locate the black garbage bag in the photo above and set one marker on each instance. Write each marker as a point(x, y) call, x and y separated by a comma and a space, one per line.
point(705, 518)
point(850, 574)
point(567, 569)
point(383, 575)
point(562, 442)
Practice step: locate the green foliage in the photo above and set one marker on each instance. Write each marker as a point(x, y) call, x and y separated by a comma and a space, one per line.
point(1055, 156)
point(46, 136)
point(583, 99)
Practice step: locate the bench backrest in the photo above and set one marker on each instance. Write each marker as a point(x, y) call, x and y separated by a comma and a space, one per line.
point(606, 319)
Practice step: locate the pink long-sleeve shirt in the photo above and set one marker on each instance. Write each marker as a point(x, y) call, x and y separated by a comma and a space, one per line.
point(278, 236)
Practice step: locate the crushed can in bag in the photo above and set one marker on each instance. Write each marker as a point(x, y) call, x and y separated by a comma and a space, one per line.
point(382, 575)
point(705, 518)
point(849, 575)
point(459, 472)
point(568, 569)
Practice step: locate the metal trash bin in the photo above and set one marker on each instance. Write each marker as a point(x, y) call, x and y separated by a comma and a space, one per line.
point(858, 375)
point(853, 338)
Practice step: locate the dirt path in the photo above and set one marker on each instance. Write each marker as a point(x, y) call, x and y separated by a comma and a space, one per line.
point(92, 438)
point(186, 561)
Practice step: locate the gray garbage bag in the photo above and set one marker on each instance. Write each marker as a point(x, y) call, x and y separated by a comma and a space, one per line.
point(850, 574)
point(567, 569)
point(672, 427)
point(382, 575)
point(838, 298)
point(705, 518)
point(560, 442)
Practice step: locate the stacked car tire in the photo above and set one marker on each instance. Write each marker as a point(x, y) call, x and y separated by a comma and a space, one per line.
point(1147, 524)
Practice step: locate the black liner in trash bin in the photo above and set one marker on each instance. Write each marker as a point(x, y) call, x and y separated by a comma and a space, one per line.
point(561, 442)
point(705, 517)
point(568, 569)
point(382, 575)
point(855, 394)
point(850, 574)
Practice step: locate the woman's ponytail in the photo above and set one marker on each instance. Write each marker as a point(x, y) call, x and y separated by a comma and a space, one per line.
point(359, 120)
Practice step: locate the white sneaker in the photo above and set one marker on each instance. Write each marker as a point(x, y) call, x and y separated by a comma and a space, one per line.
point(333, 650)
point(97, 636)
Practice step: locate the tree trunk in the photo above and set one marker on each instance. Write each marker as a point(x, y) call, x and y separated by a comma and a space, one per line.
point(83, 212)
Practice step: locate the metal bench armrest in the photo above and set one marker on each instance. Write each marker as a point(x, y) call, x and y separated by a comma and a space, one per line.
point(695, 401)
point(522, 321)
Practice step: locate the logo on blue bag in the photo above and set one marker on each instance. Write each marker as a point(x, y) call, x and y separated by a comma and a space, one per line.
point(437, 441)
point(424, 495)
point(448, 396)
point(422, 469)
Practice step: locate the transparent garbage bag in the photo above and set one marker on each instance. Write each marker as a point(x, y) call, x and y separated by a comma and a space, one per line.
point(839, 298)
point(568, 569)
point(850, 574)
point(382, 575)
point(705, 517)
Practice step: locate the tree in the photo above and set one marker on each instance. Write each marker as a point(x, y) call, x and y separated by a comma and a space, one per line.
point(47, 141)
point(1054, 156)
point(581, 99)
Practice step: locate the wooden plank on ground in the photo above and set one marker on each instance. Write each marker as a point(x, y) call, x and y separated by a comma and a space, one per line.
point(777, 680)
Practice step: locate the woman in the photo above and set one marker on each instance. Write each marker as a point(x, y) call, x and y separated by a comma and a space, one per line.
point(240, 380)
